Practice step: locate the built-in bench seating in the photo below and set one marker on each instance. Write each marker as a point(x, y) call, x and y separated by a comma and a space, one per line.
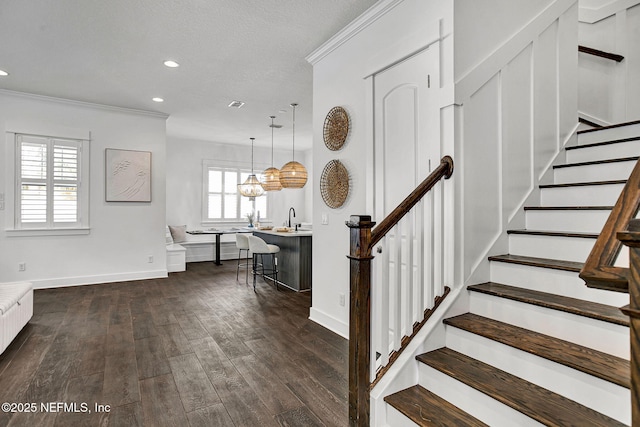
point(16, 309)
point(176, 258)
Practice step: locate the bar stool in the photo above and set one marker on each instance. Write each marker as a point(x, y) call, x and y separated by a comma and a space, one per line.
point(260, 248)
point(242, 243)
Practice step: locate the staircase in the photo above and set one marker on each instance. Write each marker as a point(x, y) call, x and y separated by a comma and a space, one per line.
point(538, 347)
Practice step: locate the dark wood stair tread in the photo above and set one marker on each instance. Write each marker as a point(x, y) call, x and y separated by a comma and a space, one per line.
point(601, 365)
point(555, 264)
point(584, 184)
point(544, 406)
point(554, 233)
point(617, 125)
point(590, 309)
point(598, 144)
point(427, 409)
point(597, 162)
point(568, 208)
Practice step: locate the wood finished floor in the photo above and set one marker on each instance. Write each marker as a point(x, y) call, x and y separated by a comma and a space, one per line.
point(196, 349)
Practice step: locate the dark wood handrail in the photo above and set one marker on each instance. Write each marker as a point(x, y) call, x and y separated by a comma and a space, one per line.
point(600, 53)
point(362, 239)
point(599, 270)
point(631, 238)
point(444, 170)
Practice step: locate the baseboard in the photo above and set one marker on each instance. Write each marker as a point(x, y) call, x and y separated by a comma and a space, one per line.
point(93, 280)
point(329, 322)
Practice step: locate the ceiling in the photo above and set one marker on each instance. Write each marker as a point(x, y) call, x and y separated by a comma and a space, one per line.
point(112, 52)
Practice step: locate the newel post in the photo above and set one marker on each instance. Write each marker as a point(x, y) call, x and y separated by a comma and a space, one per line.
point(359, 319)
point(631, 238)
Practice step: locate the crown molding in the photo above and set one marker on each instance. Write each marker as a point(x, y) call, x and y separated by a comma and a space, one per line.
point(370, 16)
point(83, 104)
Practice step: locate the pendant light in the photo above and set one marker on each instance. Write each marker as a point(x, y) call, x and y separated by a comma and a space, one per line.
point(271, 175)
point(251, 187)
point(293, 174)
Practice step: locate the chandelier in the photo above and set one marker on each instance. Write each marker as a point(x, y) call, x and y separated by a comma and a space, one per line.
point(271, 175)
point(251, 187)
point(293, 174)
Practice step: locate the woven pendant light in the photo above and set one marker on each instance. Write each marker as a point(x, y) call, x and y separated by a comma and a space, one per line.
point(271, 175)
point(293, 174)
point(251, 187)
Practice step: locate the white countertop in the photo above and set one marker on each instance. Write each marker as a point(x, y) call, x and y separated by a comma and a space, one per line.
point(292, 233)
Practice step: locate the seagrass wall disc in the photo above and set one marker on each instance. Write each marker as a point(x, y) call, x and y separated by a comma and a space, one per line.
point(336, 128)
point(334, 184)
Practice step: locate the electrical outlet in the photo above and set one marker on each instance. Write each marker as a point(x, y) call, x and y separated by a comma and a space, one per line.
point(150, 260)
point(342, 300)
point(22, 266)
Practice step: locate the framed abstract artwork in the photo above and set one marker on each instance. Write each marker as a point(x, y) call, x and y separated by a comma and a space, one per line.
point(127, 175)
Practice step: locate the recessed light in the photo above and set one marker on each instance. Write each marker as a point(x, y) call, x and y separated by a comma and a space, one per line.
point(156, 99)
point(171, 64)
point(3, 73)
point(236, 104)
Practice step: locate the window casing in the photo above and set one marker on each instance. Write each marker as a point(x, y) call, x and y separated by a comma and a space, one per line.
point(222, 201)
point(51, 183)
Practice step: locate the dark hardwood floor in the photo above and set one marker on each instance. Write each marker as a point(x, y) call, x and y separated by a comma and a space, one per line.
point(198, 349)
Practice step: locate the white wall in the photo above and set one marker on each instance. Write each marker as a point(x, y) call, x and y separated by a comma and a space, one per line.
point(185, 181)
point(123, 235)
point(481, 27)
point(390, 31)
point(609, 90)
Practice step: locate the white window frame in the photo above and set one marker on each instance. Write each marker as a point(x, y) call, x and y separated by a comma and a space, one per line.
point(20, 228)
point(216, 166)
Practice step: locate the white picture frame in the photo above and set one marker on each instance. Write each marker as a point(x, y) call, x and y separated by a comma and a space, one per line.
point(127, 175)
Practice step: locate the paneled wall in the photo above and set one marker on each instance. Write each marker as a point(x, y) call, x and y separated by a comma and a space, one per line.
point(517, 109)
point(609, 90)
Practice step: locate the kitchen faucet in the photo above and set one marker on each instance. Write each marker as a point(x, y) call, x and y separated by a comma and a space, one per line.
point(294, 215)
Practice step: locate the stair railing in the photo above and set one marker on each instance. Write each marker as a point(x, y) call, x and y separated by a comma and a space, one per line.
point(599, 270)
point(600, 53)
point(398, 313)
point(631, 238)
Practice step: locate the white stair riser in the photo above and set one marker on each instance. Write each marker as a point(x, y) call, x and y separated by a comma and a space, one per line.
point(600, 395)
point(587, 195)
point(590, 221)
point(396, 418)
point(611, 134)
point(603, 336)
point(470, 400)
point(558, 282)
point(592, 173)
point(604, 152)
point(556, 247)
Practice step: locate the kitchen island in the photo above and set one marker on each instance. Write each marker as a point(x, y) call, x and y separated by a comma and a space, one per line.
point(294, 258)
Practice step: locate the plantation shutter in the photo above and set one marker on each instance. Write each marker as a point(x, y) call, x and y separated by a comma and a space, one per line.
point(49, 182)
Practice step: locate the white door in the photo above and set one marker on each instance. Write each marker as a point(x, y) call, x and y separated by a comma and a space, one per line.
point(406, 145)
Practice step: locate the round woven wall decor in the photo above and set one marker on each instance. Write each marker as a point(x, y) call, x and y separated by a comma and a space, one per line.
point(334, 184)
point(336, 128)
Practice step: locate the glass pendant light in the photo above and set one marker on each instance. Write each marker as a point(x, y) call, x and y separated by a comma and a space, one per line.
point(271, 175)
point(293, 174)
point(251, 187)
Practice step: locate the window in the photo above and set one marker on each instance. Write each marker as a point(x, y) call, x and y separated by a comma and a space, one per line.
point(49, 186)
point(223, 202)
